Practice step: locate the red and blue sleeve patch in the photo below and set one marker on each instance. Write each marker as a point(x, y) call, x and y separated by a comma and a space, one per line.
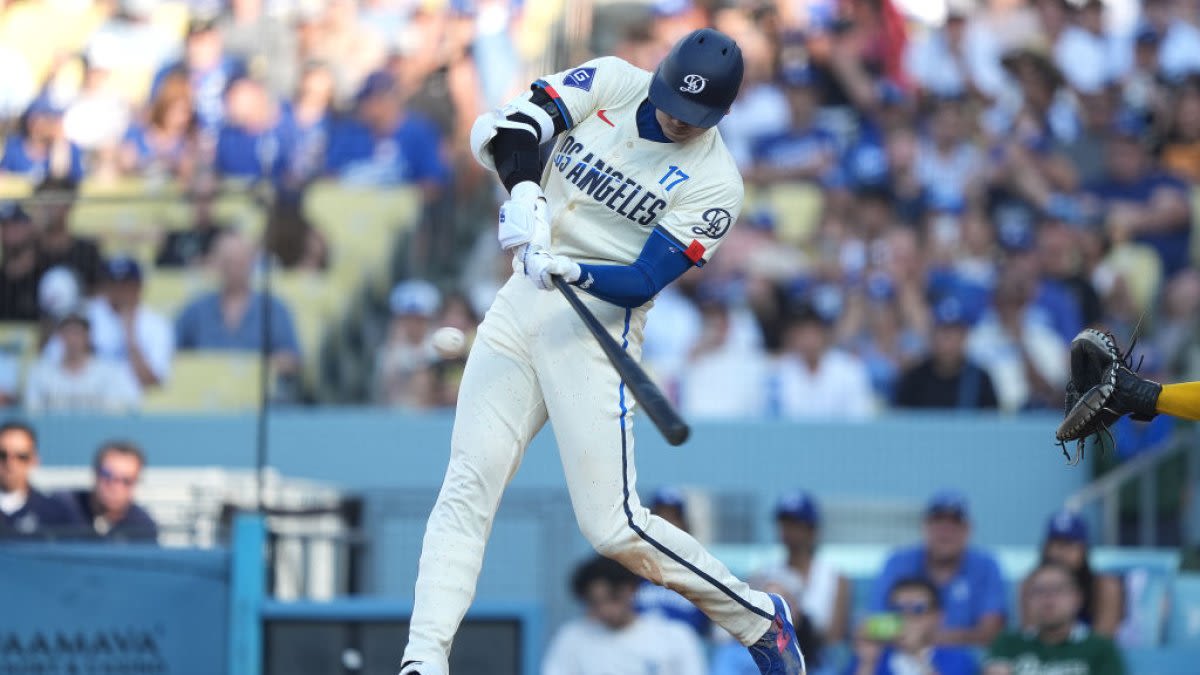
point(695, 252)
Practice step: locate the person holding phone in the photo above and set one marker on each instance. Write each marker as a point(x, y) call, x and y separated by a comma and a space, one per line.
point(902, 641)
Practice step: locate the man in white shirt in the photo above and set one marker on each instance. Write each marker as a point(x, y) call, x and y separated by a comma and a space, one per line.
point(123, 330)
point(79, 380)
point(723, 378)
point(1015, 342)
point(613, 639)
point(813, 379)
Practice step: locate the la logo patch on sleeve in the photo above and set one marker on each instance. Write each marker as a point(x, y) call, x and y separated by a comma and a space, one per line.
point(580, 78)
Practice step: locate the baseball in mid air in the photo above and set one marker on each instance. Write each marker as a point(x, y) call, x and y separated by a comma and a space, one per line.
point(449, 342)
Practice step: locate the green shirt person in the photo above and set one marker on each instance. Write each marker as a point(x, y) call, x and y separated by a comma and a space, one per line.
point(1054, 643)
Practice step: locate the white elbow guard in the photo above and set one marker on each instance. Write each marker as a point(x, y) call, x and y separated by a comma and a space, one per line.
point(487, 124)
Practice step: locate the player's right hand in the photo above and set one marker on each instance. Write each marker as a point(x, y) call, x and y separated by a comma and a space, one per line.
point(523, 218)
point(541, 266)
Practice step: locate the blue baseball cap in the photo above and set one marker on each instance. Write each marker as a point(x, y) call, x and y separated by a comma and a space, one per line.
point(46, 105)
point(1068, 526)
point(670, 497)
point(947, 503)
point(123, 268)
point(378, 82)
point(949, 311)
point(798, 75)
point(415, 297)
point(798, 505)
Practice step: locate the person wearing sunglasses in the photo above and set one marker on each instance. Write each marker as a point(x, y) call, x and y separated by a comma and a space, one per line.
point(903, 640)
point(24, 511)
point(107, 510)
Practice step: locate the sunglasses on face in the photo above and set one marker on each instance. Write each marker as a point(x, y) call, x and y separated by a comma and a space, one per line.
point(22, 457)
point(911, 608)
point(110, 477)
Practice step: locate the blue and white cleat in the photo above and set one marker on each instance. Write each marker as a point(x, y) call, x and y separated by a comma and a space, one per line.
point(776, 652)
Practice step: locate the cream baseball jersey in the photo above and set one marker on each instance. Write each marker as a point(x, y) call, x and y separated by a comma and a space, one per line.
point(608, 188)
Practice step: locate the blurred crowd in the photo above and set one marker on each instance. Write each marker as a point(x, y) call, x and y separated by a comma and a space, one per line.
point(939, 606)
point(939, 194)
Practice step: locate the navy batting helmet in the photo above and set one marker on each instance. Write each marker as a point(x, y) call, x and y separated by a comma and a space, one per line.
point(698, 80)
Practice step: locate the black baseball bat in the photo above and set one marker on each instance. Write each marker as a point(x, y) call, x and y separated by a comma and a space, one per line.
point(644, 391)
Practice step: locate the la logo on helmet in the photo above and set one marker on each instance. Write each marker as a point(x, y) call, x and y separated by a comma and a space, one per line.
point(693, 84)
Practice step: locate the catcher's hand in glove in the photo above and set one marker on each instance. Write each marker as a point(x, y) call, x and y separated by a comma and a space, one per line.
point(1103, 388)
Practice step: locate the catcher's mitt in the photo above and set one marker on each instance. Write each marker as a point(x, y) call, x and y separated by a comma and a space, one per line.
point(1103, 387)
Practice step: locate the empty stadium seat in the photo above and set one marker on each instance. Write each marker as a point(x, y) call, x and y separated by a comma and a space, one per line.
point(360, 224)
point(208, 381)
point(795, 207)
point(14, 186)
point(167, 291)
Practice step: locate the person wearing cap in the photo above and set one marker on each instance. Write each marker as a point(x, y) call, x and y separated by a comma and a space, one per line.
point(79, 380)
point(821, 592)
point(1142, 202)
point(1055, 641)
point(231, 317)
point(125, 330)
point(814, 379)
point(18, 264)
point(1102, 605)
point(384, 143)
point(402, 363)
point(947, 378)
point(805, 151)
point(639, 190)
point(40, 148)
point(1026, 358)
point(905, 640)
point(670, 504)
point(971, 589)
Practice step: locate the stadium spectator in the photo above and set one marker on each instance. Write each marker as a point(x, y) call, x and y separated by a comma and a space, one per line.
point(264, 40)
point(821, 592)
point(133, 46)
point(613, 637)
point(98, 116)
point(884, 343)
point(1140, 201)
point(252, 144)
point(384, 144)
point(1056, 642)
point(1026, 358)
point(231, 317)
point(403, 372)
point(293, 240)
point(79, 380)
point(1102, 598)
point(341, 39)
point(191, 247)
point(805, 150)
point(40, 149)
point(812, 377)
point(957, 59)
point(24, 510)
point(1179, 40)
point(903, 641)
point(107, 510)
point(670, 504)
point(723, 377)
point(18, 264)
point(208, 69)
point(165, 145)
point(971, 590)
point(57, 246)
point(948, 165)
point(947, 378)
point(1181, 147)
point(309, 119)
point(123, 329)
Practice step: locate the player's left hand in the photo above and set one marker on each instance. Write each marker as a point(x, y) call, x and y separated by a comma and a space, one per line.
point(524, 218)
point(541, 265)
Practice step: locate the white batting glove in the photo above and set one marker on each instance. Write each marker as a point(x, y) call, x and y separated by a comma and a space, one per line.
point(524, 217)
point(541, 265)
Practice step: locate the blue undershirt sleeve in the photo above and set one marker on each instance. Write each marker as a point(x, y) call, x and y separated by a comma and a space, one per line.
point(661, 261)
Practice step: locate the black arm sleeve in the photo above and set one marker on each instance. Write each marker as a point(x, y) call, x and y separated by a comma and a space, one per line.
point(515, 151)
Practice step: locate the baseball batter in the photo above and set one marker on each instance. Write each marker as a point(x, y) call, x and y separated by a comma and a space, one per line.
point(639, 189)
